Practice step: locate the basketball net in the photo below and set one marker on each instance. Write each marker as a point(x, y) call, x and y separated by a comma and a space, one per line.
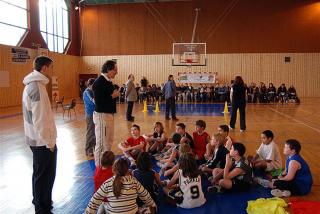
point(189, 62)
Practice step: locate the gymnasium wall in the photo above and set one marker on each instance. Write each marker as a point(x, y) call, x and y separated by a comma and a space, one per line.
point(227, 26)
point(65, 68)
point(303, 71)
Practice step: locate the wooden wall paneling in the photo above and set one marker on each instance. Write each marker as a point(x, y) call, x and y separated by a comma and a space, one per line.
point(108, 29)
point(303, 71)
point(266, 26)
point(132, 30)
point(89, 30)
point(65, 67)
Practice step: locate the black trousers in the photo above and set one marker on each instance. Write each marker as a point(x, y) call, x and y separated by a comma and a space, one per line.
point(242, 110)
point(129, 109)
point(171, 105)
point(44, 173)
point(287, 185)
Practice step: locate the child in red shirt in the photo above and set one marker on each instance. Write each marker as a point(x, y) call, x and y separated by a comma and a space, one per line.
point(104, 171)
point(134, 145)
point(200, 139)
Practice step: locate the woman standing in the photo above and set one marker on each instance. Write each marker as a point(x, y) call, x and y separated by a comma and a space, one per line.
point(131, 95)
point(238, 101)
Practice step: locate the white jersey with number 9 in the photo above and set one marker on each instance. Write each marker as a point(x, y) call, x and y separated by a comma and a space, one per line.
point(192, 191)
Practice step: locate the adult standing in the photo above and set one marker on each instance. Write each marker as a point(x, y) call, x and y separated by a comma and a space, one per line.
point(40, 133)
point(238, 101)
point(131, 95)
point(89, 109)
point(169, 91)
point(105, 96)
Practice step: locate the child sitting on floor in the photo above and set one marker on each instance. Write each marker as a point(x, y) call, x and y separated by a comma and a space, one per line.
point(181, 129)
point(183, 149)
point(104, 171)
point(237, 173)
point(171, 143)
point(219, 155)
point(172, 160)
point(297, 178)
point(224, 131)
point(268, 158)
point(144, 173)
point(201, 139)
point(133, 146)
point(157, 139)
point(121, 192)
point(185, 186)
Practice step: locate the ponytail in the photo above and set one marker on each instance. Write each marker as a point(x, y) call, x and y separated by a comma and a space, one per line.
point(120, 169)
point(117, 186)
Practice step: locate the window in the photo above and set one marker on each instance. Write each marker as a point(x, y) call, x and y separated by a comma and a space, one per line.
point(54, 24)
point(13, 21)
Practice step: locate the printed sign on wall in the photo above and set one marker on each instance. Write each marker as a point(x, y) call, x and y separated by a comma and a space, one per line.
point(197, 77)
point(55, 88)
point(19, 55)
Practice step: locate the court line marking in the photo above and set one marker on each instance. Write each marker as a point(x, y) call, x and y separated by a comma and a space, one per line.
point(295, 120)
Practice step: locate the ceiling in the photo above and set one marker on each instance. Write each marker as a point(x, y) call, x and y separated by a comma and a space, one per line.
point(96, 2)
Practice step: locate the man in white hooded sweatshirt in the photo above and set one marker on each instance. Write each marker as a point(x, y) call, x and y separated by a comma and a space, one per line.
point(40, 133)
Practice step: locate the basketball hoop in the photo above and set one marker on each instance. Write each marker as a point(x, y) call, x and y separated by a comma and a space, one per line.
point(189, 62)
point(189, 54)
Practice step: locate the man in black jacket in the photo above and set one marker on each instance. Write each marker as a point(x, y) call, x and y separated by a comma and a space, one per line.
point(105, 96)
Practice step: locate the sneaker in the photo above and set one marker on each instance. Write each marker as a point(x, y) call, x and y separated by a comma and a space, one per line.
point(280, 193)
point(231, 128)
point(241, 130)
point(214, 189)
point(263, 182)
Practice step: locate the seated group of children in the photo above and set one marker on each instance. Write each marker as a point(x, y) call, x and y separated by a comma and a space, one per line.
point(186, 161)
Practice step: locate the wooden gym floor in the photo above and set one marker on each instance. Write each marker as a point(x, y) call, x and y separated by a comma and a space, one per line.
point(286, 121)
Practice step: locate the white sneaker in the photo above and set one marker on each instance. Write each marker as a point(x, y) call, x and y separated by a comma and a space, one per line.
point(263, 182)
point(280, 193)
point(242, 130)
point(230, 128)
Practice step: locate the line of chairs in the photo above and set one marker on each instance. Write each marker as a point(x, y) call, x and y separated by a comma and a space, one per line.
point(67, 107)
